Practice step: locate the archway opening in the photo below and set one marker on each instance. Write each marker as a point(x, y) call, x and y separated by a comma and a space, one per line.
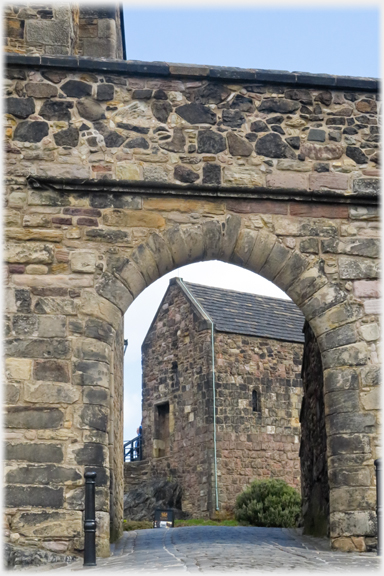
point(259, 406)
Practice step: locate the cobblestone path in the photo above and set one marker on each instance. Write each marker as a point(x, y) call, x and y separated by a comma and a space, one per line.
point(227, 549)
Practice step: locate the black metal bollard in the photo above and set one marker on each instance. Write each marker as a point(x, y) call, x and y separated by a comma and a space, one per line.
point(90, 520)
point(378, 503)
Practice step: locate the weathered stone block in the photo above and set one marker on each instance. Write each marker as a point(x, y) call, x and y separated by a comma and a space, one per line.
point(356, 269)
point(351, 355)
point(38, 348)
point(11, 393)
point(20, 107)
point(353, 476)
point(353, 523)
point(356, 498)
point(34, 452)
point(51, 305)
point(275, 261)
point(196, 114)
point(53, 280)
point(372, 306)
point(48, 524)
point(336, 316)
point(273, 146)
point(91, 373)
point(90, 454)
point(34, 418)
point(51, 370)
point(91, 349)
point(98, 307)
point(18, 368)
point(290, 271)
point(325, 298)
point(76, 88)
point(93, 416)
point(339, 337)
point(210, 142)
point(244, 246)
point(83, 261)
point(176, 244)
point(47, 474)
point(128, 219)
point(341, 401)
point(370, 332)
point(330, 180)
point(110, 236)
point(90, 109)
point(51, 393)
point(56, 110)
point(40, 90)
point(371, 400)
point(357, 246)
point(52, 326)
point(366, 186)
point(68, 137)
point(34, 252)
point(366, 289)
point(96, 395)
point(237, 146)
point(100, 330)
point(341, 379)
point(113, 290)
point(35, 496)
point(347, 423)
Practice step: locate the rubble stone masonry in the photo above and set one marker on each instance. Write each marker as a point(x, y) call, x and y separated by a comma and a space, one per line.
point(118, 172)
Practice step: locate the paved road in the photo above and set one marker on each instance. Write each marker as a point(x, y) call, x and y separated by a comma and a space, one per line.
point(226, 549)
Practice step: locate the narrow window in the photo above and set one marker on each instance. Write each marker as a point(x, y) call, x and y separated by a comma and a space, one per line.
point(162, 428)
point(255, 401)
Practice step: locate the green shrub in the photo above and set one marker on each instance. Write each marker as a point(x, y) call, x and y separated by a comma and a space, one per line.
point(268, 503)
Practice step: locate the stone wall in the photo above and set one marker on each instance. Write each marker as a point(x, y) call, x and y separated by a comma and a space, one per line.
point(63, 29)
point(265, 443)
point(313, 446)
point(176, 359)
point(123, 141)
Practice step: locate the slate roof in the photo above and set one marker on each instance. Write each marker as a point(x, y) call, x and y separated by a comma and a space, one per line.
point(250, 314)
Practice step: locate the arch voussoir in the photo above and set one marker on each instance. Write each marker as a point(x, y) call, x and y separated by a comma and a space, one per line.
point(114, 290)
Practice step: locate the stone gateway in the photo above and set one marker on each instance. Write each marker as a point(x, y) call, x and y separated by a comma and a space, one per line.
point(121, 171)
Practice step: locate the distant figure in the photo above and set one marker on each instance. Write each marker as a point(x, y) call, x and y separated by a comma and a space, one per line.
point(139, 432)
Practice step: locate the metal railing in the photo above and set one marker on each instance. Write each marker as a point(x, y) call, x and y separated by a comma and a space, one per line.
point(133, 449)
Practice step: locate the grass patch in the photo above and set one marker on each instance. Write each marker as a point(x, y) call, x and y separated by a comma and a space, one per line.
point(137, 525)
point(145, 524)
point(203, 522)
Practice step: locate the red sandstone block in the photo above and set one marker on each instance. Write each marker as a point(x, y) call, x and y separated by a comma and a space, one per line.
point(330, 180)
point(318, 210)
point(297, 181)
point(87, 222)
point(93, 212)
point(366, 288)
point(98, 168)
point(16, 268)
point(63, 221)
point(257, 207)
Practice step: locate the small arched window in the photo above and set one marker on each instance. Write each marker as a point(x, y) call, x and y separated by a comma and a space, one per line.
point(255, 401)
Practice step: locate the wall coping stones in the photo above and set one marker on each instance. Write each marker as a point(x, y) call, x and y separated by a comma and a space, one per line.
point(364, 196)
point(194, 71)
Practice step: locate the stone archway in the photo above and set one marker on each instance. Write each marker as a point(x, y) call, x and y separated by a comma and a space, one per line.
point(84, 425)
point(332, 312)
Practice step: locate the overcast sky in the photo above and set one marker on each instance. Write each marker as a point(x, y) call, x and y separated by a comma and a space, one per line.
point(341, 41)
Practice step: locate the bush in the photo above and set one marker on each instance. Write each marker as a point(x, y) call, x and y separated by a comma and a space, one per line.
point(268, 503)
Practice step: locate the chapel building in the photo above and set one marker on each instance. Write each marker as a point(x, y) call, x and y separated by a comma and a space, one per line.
point(222, 392)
